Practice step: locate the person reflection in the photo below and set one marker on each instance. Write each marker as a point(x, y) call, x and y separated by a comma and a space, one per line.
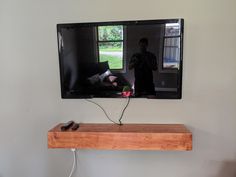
point(143, 63)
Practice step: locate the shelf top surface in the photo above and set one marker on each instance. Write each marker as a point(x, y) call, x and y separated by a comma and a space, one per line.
point(126, 128)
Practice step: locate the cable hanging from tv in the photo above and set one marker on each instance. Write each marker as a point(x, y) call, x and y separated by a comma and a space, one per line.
point(108, 117)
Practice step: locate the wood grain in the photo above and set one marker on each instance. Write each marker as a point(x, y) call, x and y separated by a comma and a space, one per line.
point(125, 137)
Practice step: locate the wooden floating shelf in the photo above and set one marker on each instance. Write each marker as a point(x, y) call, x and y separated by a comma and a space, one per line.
point(124, 137)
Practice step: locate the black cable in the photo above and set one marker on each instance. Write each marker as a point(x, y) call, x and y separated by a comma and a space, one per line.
point(123, 111)
point(102, 110)
point(120, 123)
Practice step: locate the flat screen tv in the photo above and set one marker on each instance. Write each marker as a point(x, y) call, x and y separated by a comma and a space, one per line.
point(139, 59)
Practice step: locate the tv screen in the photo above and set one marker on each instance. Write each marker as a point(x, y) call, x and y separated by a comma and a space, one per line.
point(121, 59)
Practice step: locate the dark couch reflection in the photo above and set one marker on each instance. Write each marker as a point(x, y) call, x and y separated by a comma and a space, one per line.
point(95, 79)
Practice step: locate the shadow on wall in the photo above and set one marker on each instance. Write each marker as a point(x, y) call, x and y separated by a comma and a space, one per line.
point(228, 169)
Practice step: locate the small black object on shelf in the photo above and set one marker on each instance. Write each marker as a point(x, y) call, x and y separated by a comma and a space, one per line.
point(75, 127)
point(67, 125)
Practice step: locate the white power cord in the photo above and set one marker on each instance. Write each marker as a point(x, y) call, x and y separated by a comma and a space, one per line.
point(74, 162)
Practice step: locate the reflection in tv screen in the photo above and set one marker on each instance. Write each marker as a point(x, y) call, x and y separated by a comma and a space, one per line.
point(120, 59)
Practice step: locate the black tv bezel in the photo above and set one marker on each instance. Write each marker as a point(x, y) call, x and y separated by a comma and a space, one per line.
point(164, 95)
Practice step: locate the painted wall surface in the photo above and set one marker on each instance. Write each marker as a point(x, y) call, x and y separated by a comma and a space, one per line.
point(30, 102)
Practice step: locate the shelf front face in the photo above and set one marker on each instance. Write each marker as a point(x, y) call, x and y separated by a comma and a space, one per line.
point(125, 137)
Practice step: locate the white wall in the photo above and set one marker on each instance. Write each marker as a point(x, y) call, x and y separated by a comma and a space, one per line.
point(30, 100)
